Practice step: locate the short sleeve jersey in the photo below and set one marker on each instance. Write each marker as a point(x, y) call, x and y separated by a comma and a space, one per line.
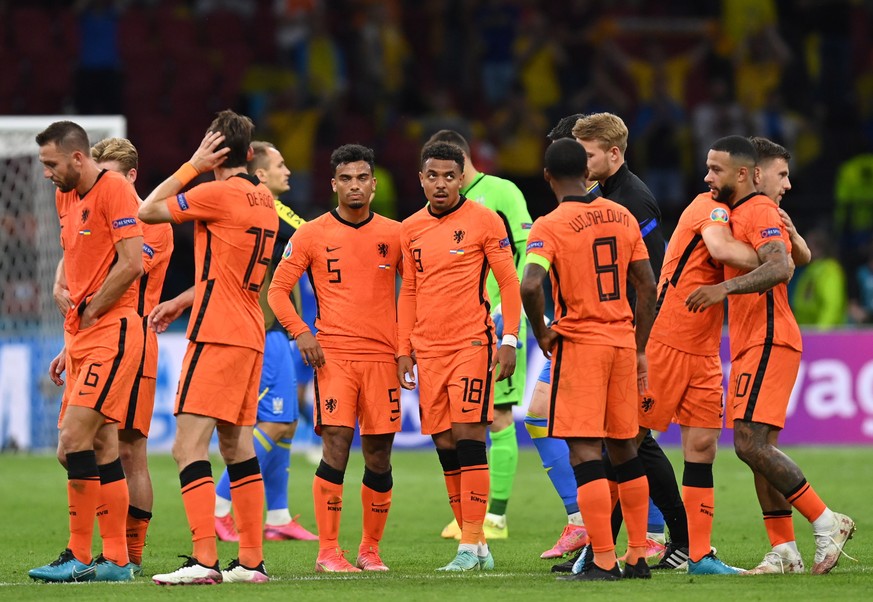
point(91, 226)
point(235, 225)
point(447, 258)
point(353, 271)
point(587, 244)
point(504, 198)
point(688, 266)
point(756, 319)
point(157, 248)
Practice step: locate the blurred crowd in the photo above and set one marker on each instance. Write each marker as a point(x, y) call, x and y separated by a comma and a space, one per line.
point(314, 74)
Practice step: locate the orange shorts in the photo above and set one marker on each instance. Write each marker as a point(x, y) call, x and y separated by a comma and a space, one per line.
point(220, 381)
point(684, 387)
point(761, 382)
point(141, 406)
point(594, 391)
point(102, 362)
point(364, 391)
point(456, 388)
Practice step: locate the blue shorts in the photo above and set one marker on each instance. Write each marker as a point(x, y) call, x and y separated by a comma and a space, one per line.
point(546, 373)
point(303, 372)
point(277, 391)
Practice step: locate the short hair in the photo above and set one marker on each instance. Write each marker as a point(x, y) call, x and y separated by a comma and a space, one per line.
point(566, 158)
point(738, 147)
point(121, 150)
point(767, 149)
point(564, 128)
point(260, 155)
point(66, 135)
point(237, 131)
point(607, 128)
point(445, 151)
point(452, 137)
point(350, 153)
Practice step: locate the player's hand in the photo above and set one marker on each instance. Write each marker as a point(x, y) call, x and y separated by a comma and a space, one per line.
point(163, 315)
point(642, 374)
point(547, 342)
point(61, 295)
point(789, 225)
point(57, 367)
point(87, 319)
point(310, 350)
point(505, 357)
point(404, 372)
point(705, 296)
point(206, 157)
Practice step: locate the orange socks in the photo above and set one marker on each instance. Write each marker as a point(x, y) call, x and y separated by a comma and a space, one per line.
point(137, 525)
point(375, 502)
point(633, 492)
point(452, 475)
point(806, 500)
point(112, 512)
point(198, 497)
point(327, 495)
point(475, 485)
point(247, 496)
point(83, 495)
point(780, 526)
point(699, 496)
point(592, 495)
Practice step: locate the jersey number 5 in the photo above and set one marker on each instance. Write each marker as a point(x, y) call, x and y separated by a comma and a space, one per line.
point(605, 265)
point(251, 282)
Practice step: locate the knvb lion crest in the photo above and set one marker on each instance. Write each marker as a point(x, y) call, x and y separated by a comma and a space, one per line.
point(86, 213)
point(647, 403)
point(382, 247)
point(459, 236)
point(330, 405)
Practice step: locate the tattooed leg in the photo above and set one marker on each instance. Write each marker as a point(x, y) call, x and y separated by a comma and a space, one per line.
point(754, 445)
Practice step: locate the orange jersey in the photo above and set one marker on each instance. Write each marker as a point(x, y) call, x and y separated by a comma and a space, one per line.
point(91, 226)
point(443, 304)
point(587, 244)
point(687, 266)
point(353, 271)
point(235, 224)
point(157, 247)
point(765, 318)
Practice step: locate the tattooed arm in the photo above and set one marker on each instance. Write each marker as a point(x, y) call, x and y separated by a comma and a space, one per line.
point(774, 268)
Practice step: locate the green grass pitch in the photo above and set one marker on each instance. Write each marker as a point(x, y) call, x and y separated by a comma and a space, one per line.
point(33, 530)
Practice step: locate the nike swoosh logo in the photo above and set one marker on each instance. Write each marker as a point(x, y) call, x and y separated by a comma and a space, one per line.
point(81, 393)
point(77, 575)
point(334, 503)
point(412, 240)
point(394, 418)
point(466, 410)
point(380, 505)
point(329, 250)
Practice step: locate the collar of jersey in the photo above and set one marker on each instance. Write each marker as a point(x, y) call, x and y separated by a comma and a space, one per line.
point(450, 211)
point(334, 212)
point(746, 198)
point(588, 198)
point(475, 181)
point(100, 175)
point(613, 181)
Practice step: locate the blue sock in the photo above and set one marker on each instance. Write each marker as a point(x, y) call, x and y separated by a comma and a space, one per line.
point(276, 475)
point(656, 519)
point(555, 456)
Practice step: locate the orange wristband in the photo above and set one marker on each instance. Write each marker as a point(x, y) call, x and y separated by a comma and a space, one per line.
point(186, 173)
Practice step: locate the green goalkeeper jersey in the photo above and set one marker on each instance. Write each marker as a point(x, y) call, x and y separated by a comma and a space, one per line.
point(503, 197)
